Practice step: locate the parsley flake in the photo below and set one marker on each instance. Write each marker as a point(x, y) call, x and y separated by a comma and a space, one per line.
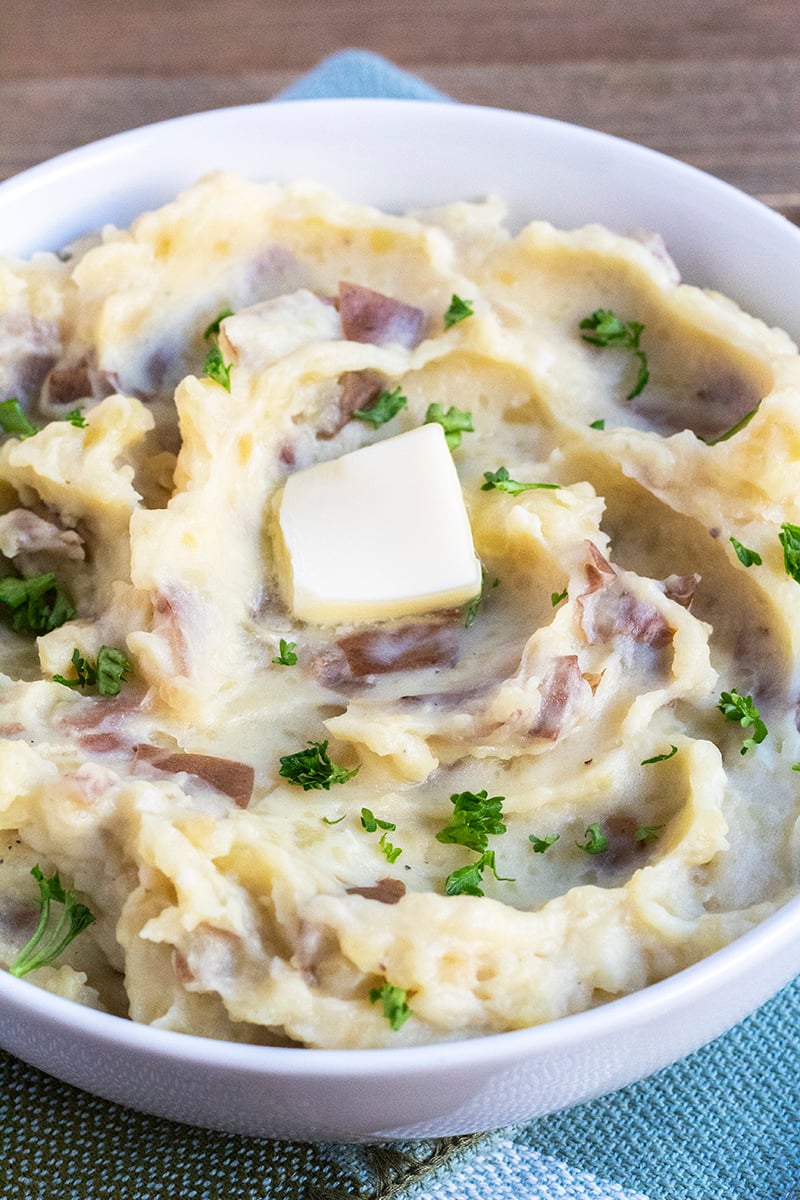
point(107, 674)
point(112, 669)
point(596, 841)
point(606, 329)
point(501, 481)
point(748, 558)
point(476, 816)
point(286, 656)
point(598, 424)
point(557, 597)
point(454, 422)
point(742, 709)
point(459, 310)
point(14, 420)
point(76, 418)
point(39, 604)
point(390, 853)
point(387, 405)
point(789, 538)
point(541, 845)
point(312, 769)
point(217, 369)
point(85, 673)
point(472, 606)
point(50, 938)
point(647, 833)
point(466, 881)
point(212, 330)
point(372, 823)
point(728, 433)
point(395, 1004)
point(657, 758)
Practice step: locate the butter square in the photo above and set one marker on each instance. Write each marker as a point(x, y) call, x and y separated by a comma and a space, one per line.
point(381, 532)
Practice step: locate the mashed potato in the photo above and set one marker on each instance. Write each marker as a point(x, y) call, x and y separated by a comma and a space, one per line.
point(433, 825)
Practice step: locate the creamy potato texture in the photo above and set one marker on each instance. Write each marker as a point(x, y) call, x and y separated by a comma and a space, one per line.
point(602, 823)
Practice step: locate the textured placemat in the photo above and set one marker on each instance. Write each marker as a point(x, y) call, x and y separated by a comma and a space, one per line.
point(724, 1124)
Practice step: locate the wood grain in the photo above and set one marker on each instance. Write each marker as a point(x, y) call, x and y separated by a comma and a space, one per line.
point(175, 37)
point(715, 83)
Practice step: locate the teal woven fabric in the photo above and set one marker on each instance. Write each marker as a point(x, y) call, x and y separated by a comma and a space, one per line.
point(721, 1125)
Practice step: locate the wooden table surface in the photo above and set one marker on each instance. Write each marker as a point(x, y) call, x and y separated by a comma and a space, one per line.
point(714, 82)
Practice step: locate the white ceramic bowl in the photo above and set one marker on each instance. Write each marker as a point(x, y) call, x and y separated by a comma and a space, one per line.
point(401, 154)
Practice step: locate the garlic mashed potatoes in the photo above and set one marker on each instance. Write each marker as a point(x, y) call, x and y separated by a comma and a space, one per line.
point(565, 773)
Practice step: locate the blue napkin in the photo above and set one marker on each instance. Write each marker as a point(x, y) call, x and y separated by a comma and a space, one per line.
point(354, 73)
point(721, 1125)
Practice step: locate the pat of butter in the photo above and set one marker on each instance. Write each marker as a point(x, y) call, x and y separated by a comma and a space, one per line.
point(381, 532)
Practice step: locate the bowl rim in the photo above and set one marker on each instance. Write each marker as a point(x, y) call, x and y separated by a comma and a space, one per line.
point(456, 111)
point(677, 191)
point(775, 933)
point(111, 145)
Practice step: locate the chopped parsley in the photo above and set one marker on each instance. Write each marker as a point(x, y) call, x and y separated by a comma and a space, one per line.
point(217, 369)
point(14, 420)
point(789, 538)
point(372, 823)
point(742, 709)
point(647, 833)
point(596, 841)
point(312, 769)
point(748, 558)
point(212, 330)
point(85, 673)
point(476, 816)
point(598, 424)
point(454, 422)
point(330, 820)
point(286, 656)
point(501, 481)
point(51, 938)
point(387, 405)
point(112, 668)
point(466, 881)
point(557, 597)
point(728, 433)
point(38, 604)
point(472, 606)
point(606, 329)
point(395, 1004)
point(459, 310)
point(390, 853)
point(541, 845)
point(107, 674)
point(657, 758)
